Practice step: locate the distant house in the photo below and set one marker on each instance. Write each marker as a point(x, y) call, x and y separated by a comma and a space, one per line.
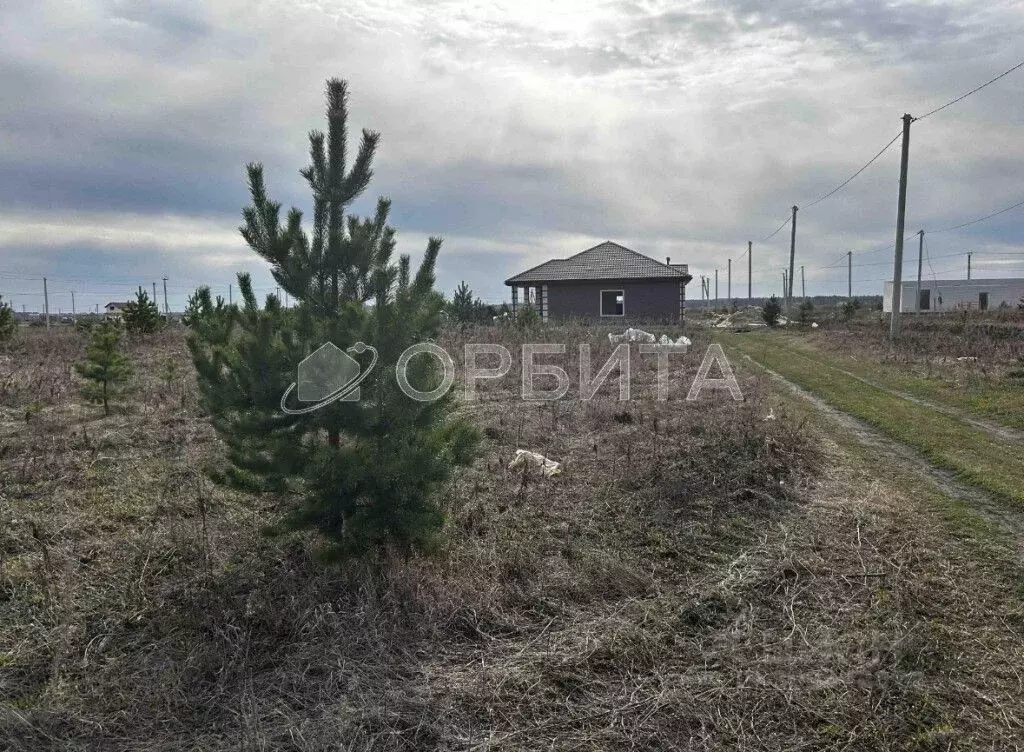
point(113, 309)
point(609, 283)
point(954, 295)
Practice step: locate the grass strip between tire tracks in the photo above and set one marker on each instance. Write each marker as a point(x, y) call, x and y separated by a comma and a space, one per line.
point(971, 453)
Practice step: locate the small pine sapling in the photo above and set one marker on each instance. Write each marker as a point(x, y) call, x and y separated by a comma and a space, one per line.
point(527, 318)
point(141, 316)
point(170, 376)
point(771, 311)
point(106, 369)
point(464, 308)
point(366, 474)
point(8, 326)
point(805, 312)
point(850, 308)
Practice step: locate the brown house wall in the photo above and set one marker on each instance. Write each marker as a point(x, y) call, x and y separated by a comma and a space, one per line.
point(644, 300)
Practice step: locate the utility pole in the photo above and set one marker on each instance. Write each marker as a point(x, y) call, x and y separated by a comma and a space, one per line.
point(784, 286)
point(72, 304)
point(750, 272)
point(46, 304)
point(792, 258)
point(968, 267)
point(920, 251)
point(803, 284)
point(154, 294)
point(728, 283)
point(229, 294)
point(901, 211)
point(167, 309)
point(849, 274)
point(716, 285)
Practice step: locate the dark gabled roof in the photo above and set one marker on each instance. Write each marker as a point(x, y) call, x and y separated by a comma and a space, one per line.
point(605, 261)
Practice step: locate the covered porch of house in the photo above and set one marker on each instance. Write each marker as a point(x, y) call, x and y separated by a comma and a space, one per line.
point(530, 296)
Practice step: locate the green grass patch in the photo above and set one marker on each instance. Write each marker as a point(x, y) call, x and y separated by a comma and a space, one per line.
point(989, 541)
point(947, 442)
point(949, 385)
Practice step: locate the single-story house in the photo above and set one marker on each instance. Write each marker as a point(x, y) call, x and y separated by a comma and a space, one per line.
point(954, 295)
point(608, 282)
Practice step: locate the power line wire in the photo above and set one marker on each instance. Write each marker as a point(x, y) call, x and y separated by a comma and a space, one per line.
point(854, 175)
point(772, 235)
point(836, 263)
point(972, 91)
point(979, 219)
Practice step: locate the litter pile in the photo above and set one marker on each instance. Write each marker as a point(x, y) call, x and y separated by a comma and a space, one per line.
point(631, 335)
point(547, 467)
point(743, 317)
point(666, 341)
point(639, 335)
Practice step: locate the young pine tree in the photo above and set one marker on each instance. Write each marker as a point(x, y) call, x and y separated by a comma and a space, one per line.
point(141, 315)
point(193, 307)
point(201, 310)
point(850, 308)
point(771, 311)
point(105, 368)
point(365, 473)
point(805, 313)
point(464, 308)
point(7, 323)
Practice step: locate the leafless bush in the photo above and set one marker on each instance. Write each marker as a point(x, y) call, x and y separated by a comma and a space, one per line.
point(995, 339)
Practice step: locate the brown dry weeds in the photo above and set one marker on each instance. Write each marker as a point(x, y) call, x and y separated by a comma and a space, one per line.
point(699, 578)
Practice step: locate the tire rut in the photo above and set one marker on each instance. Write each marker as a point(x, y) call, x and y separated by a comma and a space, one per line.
point(988, 505)
point(994, 430)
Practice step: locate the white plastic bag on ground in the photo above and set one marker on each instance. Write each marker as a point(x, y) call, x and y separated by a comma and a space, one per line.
point(631, 335)
point(547, 467)
point(680, 344)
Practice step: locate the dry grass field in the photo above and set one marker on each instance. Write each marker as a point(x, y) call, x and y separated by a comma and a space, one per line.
point(700, 577)
point(972, 360)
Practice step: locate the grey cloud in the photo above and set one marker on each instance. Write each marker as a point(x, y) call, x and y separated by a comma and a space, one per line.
point(178, 20)
point(856, 23)
point(682, 131)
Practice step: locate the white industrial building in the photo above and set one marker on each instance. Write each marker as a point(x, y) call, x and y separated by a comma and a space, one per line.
point(955, 295)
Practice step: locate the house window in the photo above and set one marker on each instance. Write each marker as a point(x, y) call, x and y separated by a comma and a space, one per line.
point(613, 302)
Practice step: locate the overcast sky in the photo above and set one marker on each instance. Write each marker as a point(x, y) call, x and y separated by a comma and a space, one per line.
point(519, 131)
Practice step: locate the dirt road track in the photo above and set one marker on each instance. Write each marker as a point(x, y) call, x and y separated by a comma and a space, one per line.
point(909, 458)
point(1002, 433)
